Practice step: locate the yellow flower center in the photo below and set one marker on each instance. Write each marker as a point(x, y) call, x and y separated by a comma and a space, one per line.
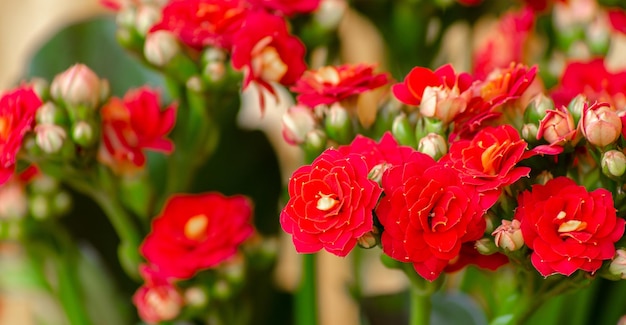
point(266, 61)
point(326, 202)
point(195, 228)
point(4, 127)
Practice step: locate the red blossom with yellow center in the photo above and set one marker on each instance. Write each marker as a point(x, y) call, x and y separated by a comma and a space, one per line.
point(568, 228)
point(17, 114)
point(330, 203)
point(197, 232)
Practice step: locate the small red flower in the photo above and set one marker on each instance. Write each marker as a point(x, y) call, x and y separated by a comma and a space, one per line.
point(330, 204)
point(17, 114)
point(197, 232)
point(267, 53)
point(411, 90)
point(157, 300)
point(331, 84)
point(427, 213)
point(286, 7)
point(133, 124)
point(386, 151)
point(201, 23)
point(568, 228)
point(617, 18)
point(489, 160)
point(591, 79)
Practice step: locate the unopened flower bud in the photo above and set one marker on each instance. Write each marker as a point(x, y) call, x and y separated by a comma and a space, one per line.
point(221, 289)
point(376, 173)
point(147, 15)
point(234, 270)
point(77, 86)
point(537, 108)
point(160, 47)
point(485, 246)
point(508, 236)
point(158, 303)
point(613, 163)
point(426, 125)
point(369, 239)
point(40, 86)
point(529, 132)
point(50, 137)
point(618, 264)
point(601, 125)
point(214, 60)
point(297, 123)
point(598, 37)
point(314, 143)
point(433, 145)
point(330, 12)
point(83, 134)
point(49, 113)
point(338, 124)
point(39, 207)
point(576, 106)
point(403, 131)
point(195, 297)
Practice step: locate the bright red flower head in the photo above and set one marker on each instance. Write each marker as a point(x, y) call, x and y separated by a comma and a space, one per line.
point(568, 228)
point(427, 213)
point(386, 151)
point(266, 52)
point(17, 114)
point(201, 23)
point(286, 7)
point(331, 84)
point(411, 90)
point(133, 124)
point(196, 232)
point(489, 160)
point(330, 203)
point(617, 18)
point(157, 300)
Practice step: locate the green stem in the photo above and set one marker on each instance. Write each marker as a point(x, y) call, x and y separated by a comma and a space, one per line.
point(69, 292)
point(421, 291)
point(306, 297)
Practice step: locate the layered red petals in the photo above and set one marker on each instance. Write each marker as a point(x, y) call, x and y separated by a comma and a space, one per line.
point(489, 161)
point(427, 215)
point(411, 90)
point(197, 232)
point(568, 228)
point(330, 84)
point(17, 114)
point(286, 7)
point(132, 125)
point(331, 203)
point(201, 23)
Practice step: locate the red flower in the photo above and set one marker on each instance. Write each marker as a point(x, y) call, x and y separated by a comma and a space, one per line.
point(386, 151)
point(617, 18)
point(427, 213)
point(411, 90)
point(568, 228)
point(286, 7)
point(505, 43)
point(591, 79)
point(201, 23)
point(266, 51)
point(489, 160)
point(158, 299)
point(330, 204)
point(133, 124)
point(470, 256)
point(17, 114)
point(196, 232)
point(330, 84)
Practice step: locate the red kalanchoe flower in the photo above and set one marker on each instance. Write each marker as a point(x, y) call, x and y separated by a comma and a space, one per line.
point(133, 124)
point(411, 90)
point(489, 161)
point(617, 18)
point(266, 51)
point(427, 213)
point(591, 79)
point(505, 43)
point(558, 129)
point(196, 232)
point(328, 85)
point(385, 152)
point(201, 23)
point(286, 7)
point(568, 228)
point(330, 203)
point(470, 256)
point(157, 300)
point(17, 114)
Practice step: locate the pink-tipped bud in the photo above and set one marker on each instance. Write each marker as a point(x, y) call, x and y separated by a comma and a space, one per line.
point(600, 124)
point(508, 236)
point(557, 127)
point(369, 239)
point(433, 145)
point(442, 103)
point(158, 303)
point(77, 86)
point(297, 123)
point(50, 137)
point(160, 47)
point(618, 264)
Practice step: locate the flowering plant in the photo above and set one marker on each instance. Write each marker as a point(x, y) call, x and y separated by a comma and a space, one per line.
point(497, 175)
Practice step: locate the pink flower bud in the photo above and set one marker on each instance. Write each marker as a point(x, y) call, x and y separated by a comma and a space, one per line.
point(76, 86)
point(297, 123)
point(508, 236)
point(160, 47)
point(433, 145)
point(600, 124)
point(369, 239)
point(158, 303)
point(442, 103)
point(618, 264)
point(485, 246)
point(557, 127)
point(50, 137)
